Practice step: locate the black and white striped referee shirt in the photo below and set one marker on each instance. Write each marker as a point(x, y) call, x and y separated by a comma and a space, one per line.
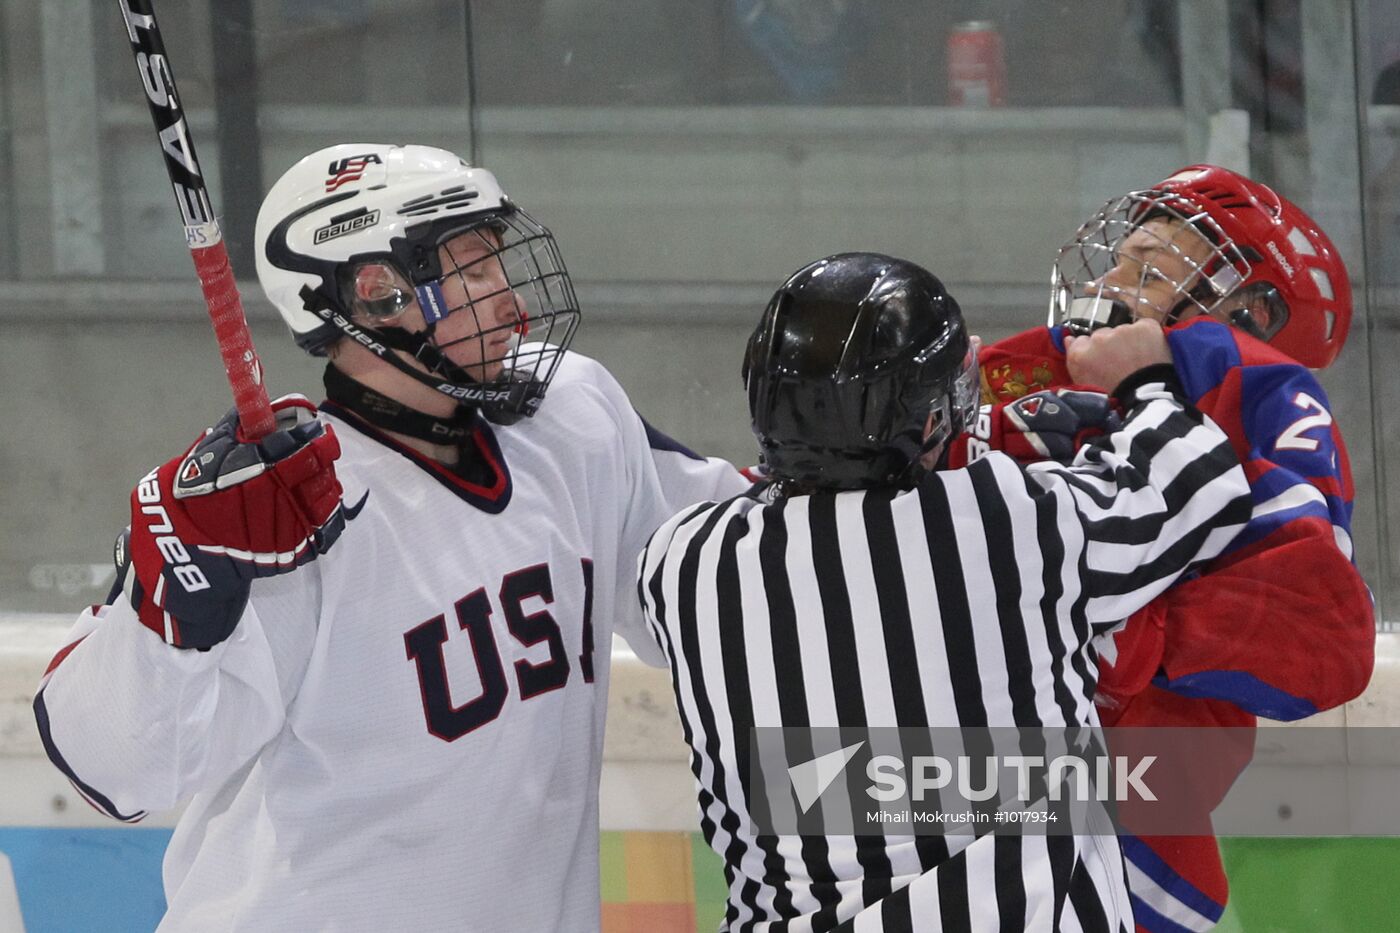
point(967, 601)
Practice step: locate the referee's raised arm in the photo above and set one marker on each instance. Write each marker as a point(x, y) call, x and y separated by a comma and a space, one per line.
point(1160, 494)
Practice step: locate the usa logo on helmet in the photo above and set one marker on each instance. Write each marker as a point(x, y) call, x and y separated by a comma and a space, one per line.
point(344, 171)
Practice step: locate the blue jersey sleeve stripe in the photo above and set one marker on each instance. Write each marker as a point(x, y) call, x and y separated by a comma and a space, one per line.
point(1262, 526)
point(1153, 922)
point(1151, 865)
point(659, 441)
point(1244, 690)
point(41, 717)
point(1284, 485)
point(1276, 482)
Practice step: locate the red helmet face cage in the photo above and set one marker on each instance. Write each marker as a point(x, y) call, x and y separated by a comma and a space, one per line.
point(1219, 244)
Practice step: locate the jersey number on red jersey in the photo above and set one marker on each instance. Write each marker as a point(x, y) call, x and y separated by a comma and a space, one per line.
point(1292, 436)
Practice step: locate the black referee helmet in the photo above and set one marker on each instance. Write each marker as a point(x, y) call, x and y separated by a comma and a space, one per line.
point(852, 355)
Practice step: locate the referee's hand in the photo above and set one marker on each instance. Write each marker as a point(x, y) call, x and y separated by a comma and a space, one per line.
point(1111, 354)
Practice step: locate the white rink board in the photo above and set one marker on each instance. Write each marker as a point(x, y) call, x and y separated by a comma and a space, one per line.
point(647, 783)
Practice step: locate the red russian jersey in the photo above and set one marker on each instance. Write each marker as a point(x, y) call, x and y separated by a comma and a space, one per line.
point(1280, 626)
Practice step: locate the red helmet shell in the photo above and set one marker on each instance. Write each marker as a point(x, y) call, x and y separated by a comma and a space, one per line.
point(1284, 248)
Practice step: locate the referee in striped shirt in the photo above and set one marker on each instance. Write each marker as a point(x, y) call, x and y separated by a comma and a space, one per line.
point(866, 588)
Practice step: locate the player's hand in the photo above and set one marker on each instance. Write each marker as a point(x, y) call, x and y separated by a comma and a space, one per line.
point(1111, 354)
point(1045, 425)
point(228, 510)
point(1053, 425)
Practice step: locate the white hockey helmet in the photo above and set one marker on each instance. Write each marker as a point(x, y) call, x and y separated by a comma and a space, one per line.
point(359, 205)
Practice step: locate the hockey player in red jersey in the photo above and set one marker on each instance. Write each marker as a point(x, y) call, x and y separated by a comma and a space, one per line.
point(1280, 626)
point(385, 714)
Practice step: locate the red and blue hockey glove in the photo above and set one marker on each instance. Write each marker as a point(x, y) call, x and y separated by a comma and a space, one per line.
point(228, 510)
point(1048, 425)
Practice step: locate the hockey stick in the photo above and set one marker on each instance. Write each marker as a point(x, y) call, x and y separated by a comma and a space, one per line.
point(202, 233)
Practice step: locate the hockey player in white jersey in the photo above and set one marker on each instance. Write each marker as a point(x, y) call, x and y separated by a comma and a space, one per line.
point(402, 731)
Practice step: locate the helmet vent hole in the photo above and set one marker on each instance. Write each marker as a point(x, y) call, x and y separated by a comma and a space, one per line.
point(1323, 283)
point(1329, 323)
point(1300, 242)
point(447, 200)
point(349, 215)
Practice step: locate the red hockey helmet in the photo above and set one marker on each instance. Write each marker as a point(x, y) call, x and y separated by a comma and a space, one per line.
point(1261, 243)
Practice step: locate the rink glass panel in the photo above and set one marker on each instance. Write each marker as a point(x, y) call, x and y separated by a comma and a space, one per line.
point(687, 155)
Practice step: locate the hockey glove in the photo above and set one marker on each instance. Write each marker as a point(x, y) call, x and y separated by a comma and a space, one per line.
point(228, 510)
point(1048, 425)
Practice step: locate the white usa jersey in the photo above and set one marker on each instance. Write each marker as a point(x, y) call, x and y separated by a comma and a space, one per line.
point(405, 734)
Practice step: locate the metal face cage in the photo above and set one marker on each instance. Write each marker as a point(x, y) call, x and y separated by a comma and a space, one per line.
point(1149, 253)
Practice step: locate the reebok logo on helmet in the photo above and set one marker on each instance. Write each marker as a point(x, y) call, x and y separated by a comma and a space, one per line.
point(1278, 257)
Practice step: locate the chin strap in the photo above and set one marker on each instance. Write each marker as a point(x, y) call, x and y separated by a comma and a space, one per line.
point(467, 391)
point(443, 375)
point(915, 470)
point(1241, 318)
point(419, 345)
point(500, 403)
point(1201, 296)
point(391, 415)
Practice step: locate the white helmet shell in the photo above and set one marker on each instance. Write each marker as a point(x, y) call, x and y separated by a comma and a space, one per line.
point(355, 202)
